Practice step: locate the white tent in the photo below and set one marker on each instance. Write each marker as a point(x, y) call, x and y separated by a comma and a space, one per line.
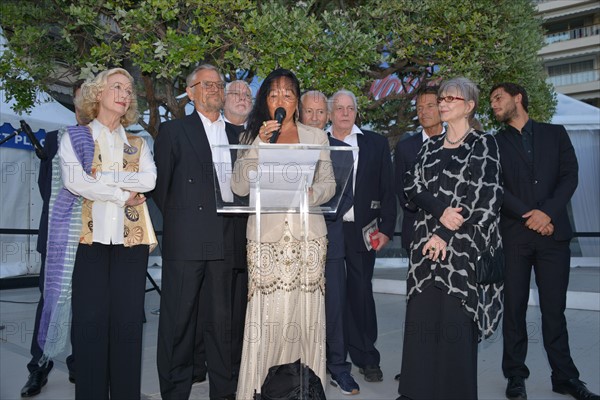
point(575, 114)
point(20, 199)
point(48, 115)
point(582, 122)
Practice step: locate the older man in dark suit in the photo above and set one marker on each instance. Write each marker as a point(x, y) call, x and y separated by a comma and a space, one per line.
point(313, 112)
point(406, 153)
point(237, 106)
point(200, 247)
point(374, 204)
point(539, 170)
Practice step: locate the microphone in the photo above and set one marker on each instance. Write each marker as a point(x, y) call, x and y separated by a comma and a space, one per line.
point(39, 151)
point(279, 116)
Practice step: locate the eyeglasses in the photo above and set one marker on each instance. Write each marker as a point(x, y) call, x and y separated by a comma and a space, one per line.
point(448, 99)
point(209, 85)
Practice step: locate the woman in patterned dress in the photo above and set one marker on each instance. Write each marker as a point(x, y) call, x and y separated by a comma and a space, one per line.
point(285, 317)
point(456, 185)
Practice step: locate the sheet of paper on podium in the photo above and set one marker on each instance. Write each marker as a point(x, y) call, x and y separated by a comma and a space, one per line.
point(282, 175)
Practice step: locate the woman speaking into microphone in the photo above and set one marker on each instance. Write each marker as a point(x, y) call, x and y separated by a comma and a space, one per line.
point(282, 281)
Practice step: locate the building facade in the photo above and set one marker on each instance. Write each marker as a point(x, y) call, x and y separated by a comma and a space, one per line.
point(572, 51)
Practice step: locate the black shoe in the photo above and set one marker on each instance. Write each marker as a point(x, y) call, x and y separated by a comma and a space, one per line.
point(372, 373)
point(72, 377)
point(228, 397)
point(575, 388)
point(36, 381)
point(515, 389)
point(397, 377)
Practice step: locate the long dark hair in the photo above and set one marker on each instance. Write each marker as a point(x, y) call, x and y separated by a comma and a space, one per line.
point(260, 111)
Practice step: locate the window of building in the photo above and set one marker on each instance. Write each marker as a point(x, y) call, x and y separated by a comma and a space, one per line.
point(571, 68)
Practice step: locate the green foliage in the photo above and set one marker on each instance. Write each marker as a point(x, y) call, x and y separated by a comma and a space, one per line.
point(329, 44)
point(487, 41)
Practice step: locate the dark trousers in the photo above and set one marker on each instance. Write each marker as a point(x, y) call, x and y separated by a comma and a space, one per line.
point(360, 317)
point(108, 309)
point(335, 300)
point(200, 369)
point(551, 262)
point(35, 350)
point(178, 322)
point(239, 300)
point(439, 356)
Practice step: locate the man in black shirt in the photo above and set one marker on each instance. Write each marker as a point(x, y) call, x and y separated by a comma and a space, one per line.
point(539, 170)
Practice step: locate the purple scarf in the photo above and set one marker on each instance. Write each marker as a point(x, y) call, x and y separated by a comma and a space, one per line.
point(64, 229)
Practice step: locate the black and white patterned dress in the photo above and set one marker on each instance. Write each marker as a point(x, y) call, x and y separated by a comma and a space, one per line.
point(471, 180)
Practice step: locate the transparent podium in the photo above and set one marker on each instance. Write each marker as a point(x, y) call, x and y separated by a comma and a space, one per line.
point(288, 190)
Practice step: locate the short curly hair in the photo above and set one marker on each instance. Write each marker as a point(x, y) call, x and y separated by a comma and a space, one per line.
point(92, 89)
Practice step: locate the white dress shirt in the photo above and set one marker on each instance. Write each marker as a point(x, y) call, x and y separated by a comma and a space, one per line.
point(215, 132)
point(425, 136)
point(111, 187)
point(352, 140)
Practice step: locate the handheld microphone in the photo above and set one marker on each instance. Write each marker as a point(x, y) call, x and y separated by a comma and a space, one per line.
point(279, 116)
point(39, 151)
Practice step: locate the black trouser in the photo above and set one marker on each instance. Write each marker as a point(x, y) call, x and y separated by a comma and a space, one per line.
point(551, 262)
point(335, 300)
point(178, 322)
point(108, 309)
point(199, 349)
point(360, 317)
point(239, 300)
point(439, 356)
point(36, 351)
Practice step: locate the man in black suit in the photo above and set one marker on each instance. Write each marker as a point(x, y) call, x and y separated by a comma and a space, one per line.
point(313, 112)
point(237, 106)
point(539, 170)
point(374, 203)
point(38, 375)
point(200, 247)
point(406, 154)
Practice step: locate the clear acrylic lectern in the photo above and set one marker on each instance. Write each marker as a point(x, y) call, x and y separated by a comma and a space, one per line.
point(286, 189)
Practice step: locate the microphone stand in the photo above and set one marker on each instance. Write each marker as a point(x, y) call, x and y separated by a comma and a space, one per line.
point(12, 135)
point(39, 152)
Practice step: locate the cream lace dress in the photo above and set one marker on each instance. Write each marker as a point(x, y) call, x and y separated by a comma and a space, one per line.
point(285, 318)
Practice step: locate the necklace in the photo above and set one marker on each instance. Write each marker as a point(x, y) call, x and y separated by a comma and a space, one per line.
point(460, 139)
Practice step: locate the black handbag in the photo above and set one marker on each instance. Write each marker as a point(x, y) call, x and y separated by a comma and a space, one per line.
point(489, 266)
point(291, 382)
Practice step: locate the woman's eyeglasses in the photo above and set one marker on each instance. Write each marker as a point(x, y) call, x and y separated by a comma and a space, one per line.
point(448, 99)
point(209, 85)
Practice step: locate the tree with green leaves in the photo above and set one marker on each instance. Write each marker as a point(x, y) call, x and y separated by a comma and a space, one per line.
point(488, 41)
point(329, 44)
